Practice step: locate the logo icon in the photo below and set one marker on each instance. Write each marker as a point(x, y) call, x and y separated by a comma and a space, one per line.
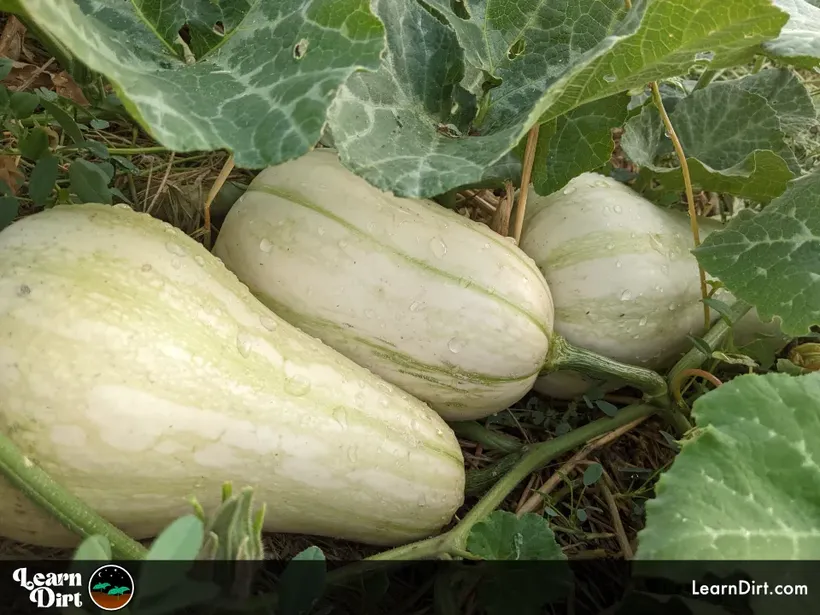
point(111, 587)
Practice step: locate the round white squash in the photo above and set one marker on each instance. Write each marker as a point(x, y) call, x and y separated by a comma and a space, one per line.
point(433, 302)
point(138, 371)
point(623, 279)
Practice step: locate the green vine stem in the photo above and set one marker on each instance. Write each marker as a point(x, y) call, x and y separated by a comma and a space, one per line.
point(480, 481)
point(69, 510)
point(564, 355)
point(493, 440)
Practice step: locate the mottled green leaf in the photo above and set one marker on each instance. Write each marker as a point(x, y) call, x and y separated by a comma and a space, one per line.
point(747, 485)
point(799, 41)
point(394, 127)
point(260, 89)
point(732, 139)
point(577, 142)
point(771, 259)
point(785, 93)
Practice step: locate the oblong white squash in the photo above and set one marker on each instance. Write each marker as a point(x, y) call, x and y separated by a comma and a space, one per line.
point(138, 371)
point(623, 279)
point(433, 302)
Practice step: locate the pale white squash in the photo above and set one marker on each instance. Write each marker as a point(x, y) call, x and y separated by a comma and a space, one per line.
point(138, 371)
point(433, 302)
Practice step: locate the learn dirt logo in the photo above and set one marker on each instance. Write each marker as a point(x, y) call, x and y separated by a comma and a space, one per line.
point(111, 587)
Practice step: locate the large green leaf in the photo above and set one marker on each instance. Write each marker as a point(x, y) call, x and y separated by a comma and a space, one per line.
point(503, 536)
point(799, 41)
point(407, 127)
point(576, 142)
point(732, 138)
point(260, 89)
point(786, 94)
point(772, 259)
point(747, 485)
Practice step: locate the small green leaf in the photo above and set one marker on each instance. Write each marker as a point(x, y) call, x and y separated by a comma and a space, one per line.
point(65, 121)
point(593, 473)
point(94, 548)
point(23, 104)
point(770, 259)
point(721, 308)
point(42, 179)
point(34, 144)
point(89, 182)
point(302, 583)
point(581, 514)
point(701, 344)
point(6, 64)
point(504, 536)
point(128, 166)
point(9, 208)
point(97, 124)
point(96, 148)
point(107, 168)
point(179, 541)
point(606, 407)
point(734, 358)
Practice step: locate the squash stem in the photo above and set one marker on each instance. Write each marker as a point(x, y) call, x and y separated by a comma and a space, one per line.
point(494, 440)
point(564, 355)
point(69, 510)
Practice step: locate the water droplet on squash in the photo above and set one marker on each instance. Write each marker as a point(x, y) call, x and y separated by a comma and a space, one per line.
point(455, 345)
point(199, 261)
point(342, 244)
point(642, 321)
point(416, 306)
point(268, 322)
point(610, 246)
point(618, 264)
point(617, 209)
point(175, 248)
point(297, 385)
point(244, 343)
point(568, 190)
point(265, 245)
point(626, 295)
point(672, 307)
point(438, 247)
point(422, 501)
point(601, 184)
point(146, 268)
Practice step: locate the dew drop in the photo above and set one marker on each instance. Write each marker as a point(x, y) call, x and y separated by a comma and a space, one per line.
point(175, 248)
point(199, 260)
point(601, 184)
point(486, 246)
point(455, 345)
point(265, 245)
point(626, 295)
point(342, 244)
point(146, 268)
point(416, 306)
point(610, 78)
point(617, 209)
point(243, 344)
point(610, 246)
point(320, 230)
point(704, 56)
point(569, 190)
point(618, 264)
point(642, 322)
point(438, 247)
point(297, 385)
point(268, 322)
point(422, 501)
point(672, 307)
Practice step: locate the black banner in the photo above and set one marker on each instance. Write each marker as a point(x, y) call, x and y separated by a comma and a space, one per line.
point(439, 588)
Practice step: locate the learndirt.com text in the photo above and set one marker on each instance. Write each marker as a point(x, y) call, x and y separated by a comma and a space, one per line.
point(748, 588)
